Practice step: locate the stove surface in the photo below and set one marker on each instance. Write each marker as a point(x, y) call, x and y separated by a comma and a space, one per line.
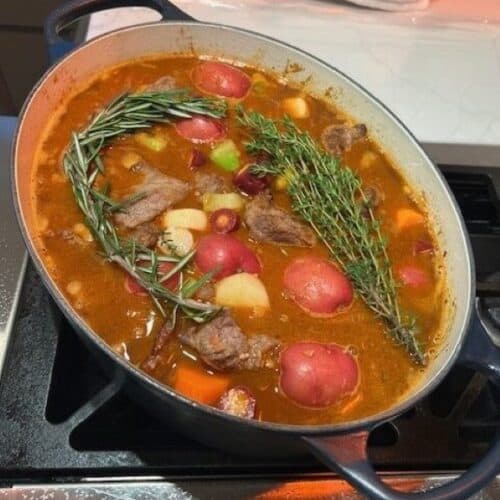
point(62, 420)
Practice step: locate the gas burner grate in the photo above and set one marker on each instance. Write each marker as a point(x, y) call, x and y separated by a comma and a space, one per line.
point(476, 197)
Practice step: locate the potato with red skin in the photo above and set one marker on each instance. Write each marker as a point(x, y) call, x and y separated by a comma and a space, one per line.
point(200, 129)
point(317, 286)
point(317, 375)
point(133, 287)
point(221, 79)
point(227, 254)
point(414, 277)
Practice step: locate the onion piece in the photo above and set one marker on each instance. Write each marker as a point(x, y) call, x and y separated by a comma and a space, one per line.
point(423, 247)
point(249, 183)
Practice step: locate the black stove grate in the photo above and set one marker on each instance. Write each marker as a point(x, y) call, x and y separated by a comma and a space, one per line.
point(62, 418)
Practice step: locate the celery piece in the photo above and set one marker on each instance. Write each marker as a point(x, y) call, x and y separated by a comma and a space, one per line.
point(216, 201)
point(226, 156)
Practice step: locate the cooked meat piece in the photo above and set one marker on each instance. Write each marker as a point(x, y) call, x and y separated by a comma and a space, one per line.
point(373, 198)
point(150, 363)
point(219, 342)
point(337, 139)
point(209, 183)
point(162, 84)
point(259, 354)
point(145, 234)
point(258, 346)
point(222, 345)
point(159, 193)
point(270, 224)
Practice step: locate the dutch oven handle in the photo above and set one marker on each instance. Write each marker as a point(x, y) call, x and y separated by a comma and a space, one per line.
point(71, 10)
point(347, 454)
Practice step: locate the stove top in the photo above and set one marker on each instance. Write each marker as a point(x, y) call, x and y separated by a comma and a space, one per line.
point(63, 421)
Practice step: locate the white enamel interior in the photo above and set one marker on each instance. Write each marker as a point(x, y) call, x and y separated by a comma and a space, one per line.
point(237, 45)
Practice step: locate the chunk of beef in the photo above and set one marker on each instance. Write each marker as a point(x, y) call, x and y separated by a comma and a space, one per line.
point(209, 183)
point(371, 200)
point(222, 345)
point(270, 224)
point(163, 84)
point(258, 347)
point(145, 234)
point(337, 139)
point(158, 191)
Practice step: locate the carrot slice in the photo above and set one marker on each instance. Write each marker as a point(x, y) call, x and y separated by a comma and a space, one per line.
point(407, 217)
point(199, 385)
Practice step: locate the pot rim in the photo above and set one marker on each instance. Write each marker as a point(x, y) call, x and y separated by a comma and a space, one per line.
point(82, 328)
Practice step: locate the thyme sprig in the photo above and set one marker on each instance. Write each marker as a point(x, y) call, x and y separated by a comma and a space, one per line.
point(331, 199)
point(83, 166)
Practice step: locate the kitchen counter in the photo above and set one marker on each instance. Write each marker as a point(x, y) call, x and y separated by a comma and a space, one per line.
point(439, 69)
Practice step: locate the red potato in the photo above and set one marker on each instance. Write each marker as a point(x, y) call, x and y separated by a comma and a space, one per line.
point(317, 375)
point(317, 286)
point(224, 221)
point(221, 79)
point(249, 183)
point(200, 129)
point(228, 254)
point(238, 401)
point(414, 277)
point(133, 287)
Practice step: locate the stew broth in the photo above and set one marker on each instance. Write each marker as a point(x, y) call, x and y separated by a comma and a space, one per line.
point(130, 323)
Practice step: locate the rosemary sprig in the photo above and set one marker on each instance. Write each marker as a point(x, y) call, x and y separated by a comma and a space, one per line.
point(330, 198)
point(83, 165)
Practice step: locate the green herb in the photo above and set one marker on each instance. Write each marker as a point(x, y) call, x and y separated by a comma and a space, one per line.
point(330, 198)
point(83, 165)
